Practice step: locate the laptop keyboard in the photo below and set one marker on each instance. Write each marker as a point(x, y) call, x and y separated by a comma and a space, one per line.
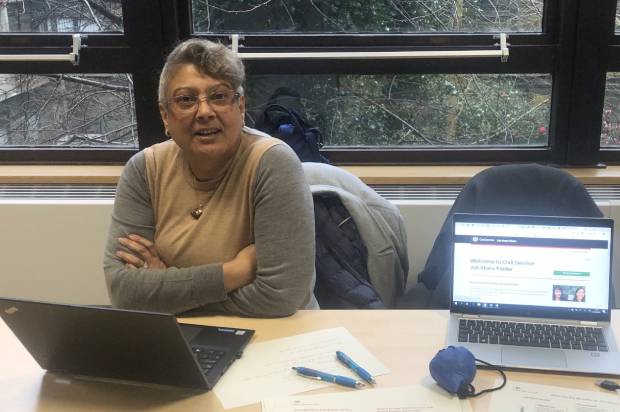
point(207, 357)
point(532, 334)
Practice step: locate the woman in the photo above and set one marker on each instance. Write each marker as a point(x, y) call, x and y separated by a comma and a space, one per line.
point(217, 218)
point(580, 294)
point(557, 293)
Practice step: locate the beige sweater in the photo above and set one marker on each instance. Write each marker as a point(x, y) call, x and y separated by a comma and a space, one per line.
point(227, 202)
point(260, 198)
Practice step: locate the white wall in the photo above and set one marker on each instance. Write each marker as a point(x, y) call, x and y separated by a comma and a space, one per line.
point(423, 219)
point(52, 250)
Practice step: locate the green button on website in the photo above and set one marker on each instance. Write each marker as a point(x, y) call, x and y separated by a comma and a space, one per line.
point(569, 273)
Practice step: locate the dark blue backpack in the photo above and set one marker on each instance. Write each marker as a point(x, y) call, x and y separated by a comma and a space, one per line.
point(289, 126)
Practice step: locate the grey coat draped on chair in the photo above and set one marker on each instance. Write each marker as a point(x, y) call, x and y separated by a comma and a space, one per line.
point(379, 222)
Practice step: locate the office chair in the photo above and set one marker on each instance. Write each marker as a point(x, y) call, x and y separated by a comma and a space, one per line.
point(521, 189)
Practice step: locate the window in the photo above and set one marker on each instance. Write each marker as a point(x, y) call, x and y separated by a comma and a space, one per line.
point(380, 16)
point(610, 130)
point(43, 16)
point(414, 109)
point(610, 127)
point(72, 110)
point(83, 108)
point(403, 110)
point(553, 99)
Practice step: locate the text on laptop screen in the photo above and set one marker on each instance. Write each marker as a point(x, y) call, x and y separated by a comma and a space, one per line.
point(531, 265)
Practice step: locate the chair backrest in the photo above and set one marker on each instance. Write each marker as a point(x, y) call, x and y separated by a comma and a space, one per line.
point(521, 189)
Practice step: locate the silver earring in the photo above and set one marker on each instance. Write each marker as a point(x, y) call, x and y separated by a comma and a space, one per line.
point(167, 133)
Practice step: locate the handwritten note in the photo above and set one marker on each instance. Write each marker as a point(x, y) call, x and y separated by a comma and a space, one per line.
point(265, 368)
point(402, 399)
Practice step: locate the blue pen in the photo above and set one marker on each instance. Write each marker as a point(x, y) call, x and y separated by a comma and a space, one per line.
point(361, 372)
point(328, 377)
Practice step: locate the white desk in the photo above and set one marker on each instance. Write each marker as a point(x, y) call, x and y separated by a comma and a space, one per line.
point(405, 341)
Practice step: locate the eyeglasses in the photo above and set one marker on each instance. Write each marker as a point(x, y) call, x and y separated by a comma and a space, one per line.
point(218, 99)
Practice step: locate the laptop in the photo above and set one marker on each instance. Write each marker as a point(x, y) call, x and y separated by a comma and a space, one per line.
point(534, 292)
point(123, 345)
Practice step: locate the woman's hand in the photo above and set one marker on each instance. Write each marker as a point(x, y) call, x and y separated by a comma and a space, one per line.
point(241, 270)
point(143, 253)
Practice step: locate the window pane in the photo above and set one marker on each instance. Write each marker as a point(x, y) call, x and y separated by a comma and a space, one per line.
point(67, 110)
point(61, 16)
point(376, 16)
point(610, 131)
point(414, 110)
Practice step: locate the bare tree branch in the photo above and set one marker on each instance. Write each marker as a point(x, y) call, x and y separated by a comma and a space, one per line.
point(95, 19)
point(114, 19)
point(95, 83)
point(251, 9)
point(414, 129)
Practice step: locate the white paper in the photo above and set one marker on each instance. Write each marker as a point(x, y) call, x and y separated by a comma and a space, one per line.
point(265, 369)
point(529, 397)
point(402, 399)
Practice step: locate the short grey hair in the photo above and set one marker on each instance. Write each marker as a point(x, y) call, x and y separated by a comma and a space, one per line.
point(213, 59)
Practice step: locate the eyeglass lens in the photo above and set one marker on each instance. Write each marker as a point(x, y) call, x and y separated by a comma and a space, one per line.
point(215, 99)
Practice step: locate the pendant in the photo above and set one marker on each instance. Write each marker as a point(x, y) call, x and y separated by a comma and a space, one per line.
point(196, 213)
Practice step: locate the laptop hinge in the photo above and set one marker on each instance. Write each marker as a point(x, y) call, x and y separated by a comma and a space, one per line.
point(587, 323)
point(464, 315)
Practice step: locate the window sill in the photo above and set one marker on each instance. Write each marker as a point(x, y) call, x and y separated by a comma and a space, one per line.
point(396, 175)
point(452, 175)
point(46, 174)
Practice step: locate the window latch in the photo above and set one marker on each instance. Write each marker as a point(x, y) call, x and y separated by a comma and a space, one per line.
point(234, 42)
point(73, 56)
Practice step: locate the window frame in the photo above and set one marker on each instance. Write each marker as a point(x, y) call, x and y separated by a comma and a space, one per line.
point(609, 60)
point(138, 50)
point(540, 52)
point(577, 42)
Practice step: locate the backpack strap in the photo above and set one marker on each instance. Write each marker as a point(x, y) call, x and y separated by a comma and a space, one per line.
point(283, 92)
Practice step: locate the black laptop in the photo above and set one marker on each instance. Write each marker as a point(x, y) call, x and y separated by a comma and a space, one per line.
point(123, 345)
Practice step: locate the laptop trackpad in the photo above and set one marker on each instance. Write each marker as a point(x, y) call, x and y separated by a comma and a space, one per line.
point(534, 357)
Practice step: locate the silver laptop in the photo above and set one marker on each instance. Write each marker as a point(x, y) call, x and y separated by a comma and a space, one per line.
point(126, 346)
point(534, 292)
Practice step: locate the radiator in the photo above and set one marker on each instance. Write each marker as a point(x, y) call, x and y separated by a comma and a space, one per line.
point(53, 236)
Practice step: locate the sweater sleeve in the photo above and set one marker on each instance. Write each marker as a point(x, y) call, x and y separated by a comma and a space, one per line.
point(172, 289)
point(284, 240)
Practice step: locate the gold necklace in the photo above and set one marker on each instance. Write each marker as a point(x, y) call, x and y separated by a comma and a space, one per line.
point(196, 213)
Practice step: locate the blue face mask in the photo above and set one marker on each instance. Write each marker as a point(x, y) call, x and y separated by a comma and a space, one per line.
point(454, 369)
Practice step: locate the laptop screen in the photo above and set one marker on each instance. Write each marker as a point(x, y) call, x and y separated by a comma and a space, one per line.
point(550, 267)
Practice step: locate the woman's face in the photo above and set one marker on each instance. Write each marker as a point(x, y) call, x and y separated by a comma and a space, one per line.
point(209, 130)
point(580, 294)
point(557, 293)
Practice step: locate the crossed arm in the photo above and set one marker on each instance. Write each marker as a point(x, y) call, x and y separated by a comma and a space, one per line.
point(272, 277)
point(140, 252)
